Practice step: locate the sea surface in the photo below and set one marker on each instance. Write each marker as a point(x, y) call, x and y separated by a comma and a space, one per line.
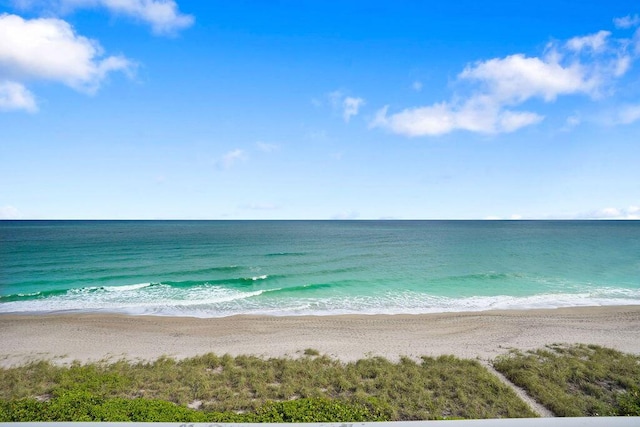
point(224, 268)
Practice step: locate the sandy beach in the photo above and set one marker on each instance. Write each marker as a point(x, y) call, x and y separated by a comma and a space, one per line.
point(483, 335)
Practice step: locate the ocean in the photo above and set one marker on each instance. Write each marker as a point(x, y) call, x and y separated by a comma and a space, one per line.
point(283, 268)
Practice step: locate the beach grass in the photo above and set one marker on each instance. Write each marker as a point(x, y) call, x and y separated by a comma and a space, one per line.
point(312, 387)
point(577, 380)
point(570, 380)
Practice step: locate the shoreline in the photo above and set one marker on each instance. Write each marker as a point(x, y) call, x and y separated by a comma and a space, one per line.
point(90, 337)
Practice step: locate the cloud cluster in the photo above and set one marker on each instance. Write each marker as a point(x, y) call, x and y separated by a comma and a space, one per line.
point(628, 213)
point(163, 15)
point(631, 212)
point(49, 49)
point(497, 88)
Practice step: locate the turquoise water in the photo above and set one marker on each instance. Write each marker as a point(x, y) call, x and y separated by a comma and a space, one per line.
point(222, 268)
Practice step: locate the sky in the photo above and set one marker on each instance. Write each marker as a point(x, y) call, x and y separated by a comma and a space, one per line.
point(319, 109)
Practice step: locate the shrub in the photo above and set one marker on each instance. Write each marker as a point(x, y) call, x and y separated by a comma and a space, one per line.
point(83, 406)
point(577, 380)
point(629, 403)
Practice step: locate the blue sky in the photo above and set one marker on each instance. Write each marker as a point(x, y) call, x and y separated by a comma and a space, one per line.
point(160, 109)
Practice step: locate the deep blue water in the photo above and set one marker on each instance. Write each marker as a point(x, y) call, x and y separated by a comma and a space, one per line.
point(221, 268)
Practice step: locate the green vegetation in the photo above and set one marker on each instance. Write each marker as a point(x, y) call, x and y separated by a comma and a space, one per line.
point(578, 380)
point(311, 352)
point(84, 406)
point(250, 389)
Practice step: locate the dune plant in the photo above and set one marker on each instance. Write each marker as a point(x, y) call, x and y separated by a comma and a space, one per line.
point(248, 386)
point(577, 380)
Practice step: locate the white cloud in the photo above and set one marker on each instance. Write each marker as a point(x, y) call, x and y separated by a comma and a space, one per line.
point(510, 121)
point(631, 212)
point(231, 158)
point(351, 106)
point(433, 120)
point(586, 65)
point(595, 42)
point(513, 217)
point(627, 21)
point(163, 15)
point(14, 96)
point(609, 213)
point(439, 119)
point(621, 65)
point(627, 115)
point(9, 212)
point(49, 49)
point(517, 78)
point(417, 86)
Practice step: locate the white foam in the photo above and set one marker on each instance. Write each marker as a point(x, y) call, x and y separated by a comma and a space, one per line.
point(218, 301)
point(159, 299)
point(126, 288)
